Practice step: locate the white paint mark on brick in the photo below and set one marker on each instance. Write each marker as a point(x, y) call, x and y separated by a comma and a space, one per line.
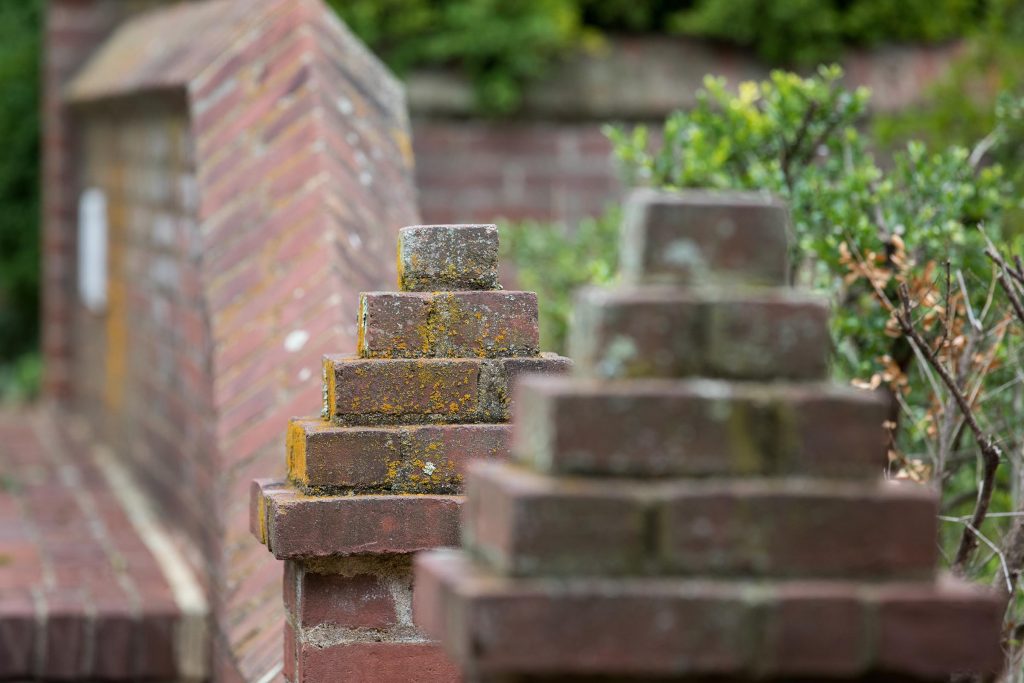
point(295, 340)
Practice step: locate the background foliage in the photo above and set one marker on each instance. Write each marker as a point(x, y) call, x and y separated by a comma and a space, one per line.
point(502, 44)
point(19, 197)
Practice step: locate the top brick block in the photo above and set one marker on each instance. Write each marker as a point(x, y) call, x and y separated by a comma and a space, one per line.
point(698, 237)
point(435, 258)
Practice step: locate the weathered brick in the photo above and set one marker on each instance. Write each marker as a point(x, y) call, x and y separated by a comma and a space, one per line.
point(930, 631)
point(375, 662)
point(323, 457)
point(646, 627)
point(528, 524)
point(500, 377)
point(447, 257)
point(301, 526)
point(359, 596)
point(664, 626)
point(698, 236)
point(17, 635)
point(667, 332)
point(697, 427)
point(798, 528)
point(448, 324)
point(525, 523)
point(428, 390)
point(397, 391)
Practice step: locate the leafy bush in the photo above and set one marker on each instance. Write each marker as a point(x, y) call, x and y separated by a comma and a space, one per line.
point(19, 193)
point(502, 44)
point(554, 261)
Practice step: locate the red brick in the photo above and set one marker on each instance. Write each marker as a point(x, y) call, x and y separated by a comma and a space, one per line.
point(799, 528)
point(929, 632)
point(559, 626)
point(700, 237)
point(17, 635)
point(448, 324)
point(370, 662)
point(423, 459)
point(402, 390)
point(528, 524)
point(318, 526)
point(815, 629)
point(501, 376)
point(697, 427)
point(351, 600)
point(667, 626)
point(662, 332)
point(67, 637)
point(447, 257)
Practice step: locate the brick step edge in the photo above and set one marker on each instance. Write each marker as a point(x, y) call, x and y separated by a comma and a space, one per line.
point(324, 458)
point(529, 524)
point(673, 627)
point(294, 525)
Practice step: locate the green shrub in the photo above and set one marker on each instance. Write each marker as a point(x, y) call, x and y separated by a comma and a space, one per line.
point(502, 44)
point(19, 188)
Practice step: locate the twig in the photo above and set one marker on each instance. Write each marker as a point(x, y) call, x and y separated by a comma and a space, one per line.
point(992, 546)
point(990, 452)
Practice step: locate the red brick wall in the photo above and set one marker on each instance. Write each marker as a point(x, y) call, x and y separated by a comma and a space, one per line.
point(477, 171)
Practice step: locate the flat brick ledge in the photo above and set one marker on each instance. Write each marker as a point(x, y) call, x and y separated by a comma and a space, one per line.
point(294, 525)
point(523, 523)
point(81, 595)
point(325, 458)
point(740, 333)
point(698, 427)
point(702, 627)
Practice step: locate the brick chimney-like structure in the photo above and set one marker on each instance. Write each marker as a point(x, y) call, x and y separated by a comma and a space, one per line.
point(376, 477)
point(698, 503)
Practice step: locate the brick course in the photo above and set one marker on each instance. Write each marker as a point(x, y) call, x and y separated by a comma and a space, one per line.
point(376, 477)
point(659, 525)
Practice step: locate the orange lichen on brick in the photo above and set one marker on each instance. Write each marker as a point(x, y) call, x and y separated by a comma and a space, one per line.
point(295, 450)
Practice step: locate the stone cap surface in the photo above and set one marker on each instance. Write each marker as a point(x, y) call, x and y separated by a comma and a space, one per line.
point(690, 236)
point(447, 257)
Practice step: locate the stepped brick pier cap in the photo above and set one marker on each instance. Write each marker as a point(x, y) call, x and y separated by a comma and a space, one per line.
point(698, 502)
point(377, 476)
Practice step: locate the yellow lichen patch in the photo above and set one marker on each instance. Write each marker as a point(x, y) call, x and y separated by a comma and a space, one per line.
point(329, 387)
point(295, 452)
point(361, 328)
point(261, 512)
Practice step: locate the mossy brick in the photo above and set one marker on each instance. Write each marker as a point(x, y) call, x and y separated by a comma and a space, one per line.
point(524, 523)
point(798, 528)
point(721, 333)
point(447, 257)
point(697, 236)
point(299, 526)
point(698, 427)
point(484, 324)
point(665, 627)
point(396, 391)
point(325, 458)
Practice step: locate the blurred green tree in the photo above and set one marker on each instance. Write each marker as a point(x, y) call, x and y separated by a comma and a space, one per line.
point(19, 195)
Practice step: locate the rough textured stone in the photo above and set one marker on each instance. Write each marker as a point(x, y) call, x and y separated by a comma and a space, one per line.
point(428, 390)
point(697, 428)
point(323, 457)
point(666, 332)
point(448, 324)
point(698, 627)
point(447, 257)
point(703, 236)
point(301, 526)
point(527, 524)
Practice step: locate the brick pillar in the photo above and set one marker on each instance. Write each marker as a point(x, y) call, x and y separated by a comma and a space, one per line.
point(376, 476)
point(698, 502)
